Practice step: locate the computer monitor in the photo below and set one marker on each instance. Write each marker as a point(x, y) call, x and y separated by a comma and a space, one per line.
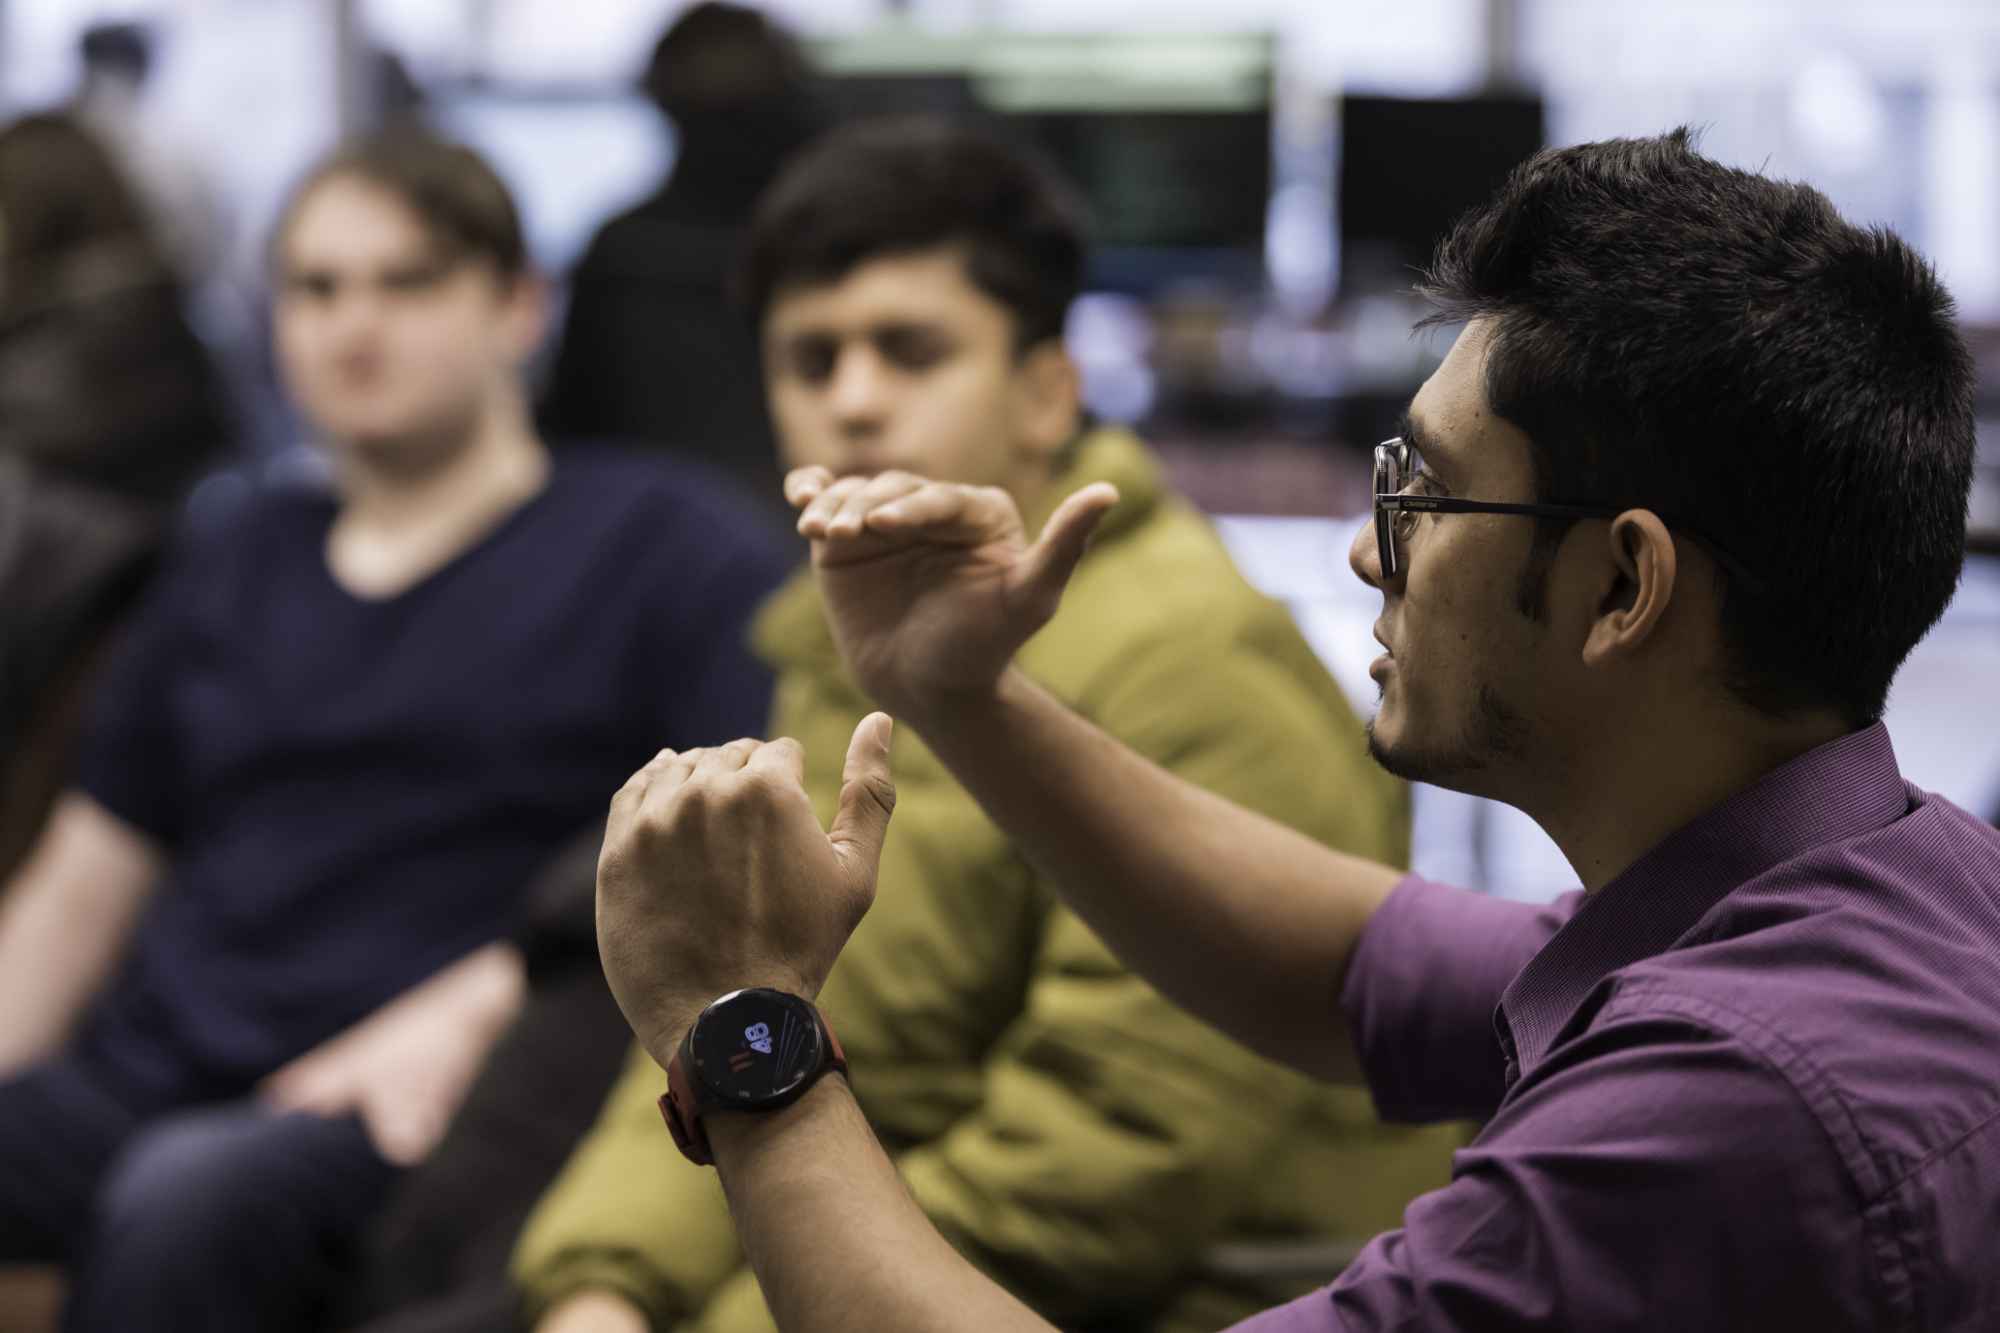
point(932, 92)
point(1410, 167)
point(1167, 138)
point(1164, 179)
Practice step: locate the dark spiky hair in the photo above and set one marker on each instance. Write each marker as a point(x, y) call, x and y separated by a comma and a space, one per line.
point(1679, 335)
point(906, 184)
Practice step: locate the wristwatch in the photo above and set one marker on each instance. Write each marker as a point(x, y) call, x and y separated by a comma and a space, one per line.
point(751, 1050)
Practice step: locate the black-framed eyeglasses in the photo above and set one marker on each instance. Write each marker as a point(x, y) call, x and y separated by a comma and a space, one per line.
point(1397, 511)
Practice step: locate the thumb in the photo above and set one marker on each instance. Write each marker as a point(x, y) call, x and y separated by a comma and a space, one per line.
point(867, 798)
point(1052, 559)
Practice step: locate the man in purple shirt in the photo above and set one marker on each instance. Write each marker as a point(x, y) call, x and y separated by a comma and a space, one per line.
point(1657, 534)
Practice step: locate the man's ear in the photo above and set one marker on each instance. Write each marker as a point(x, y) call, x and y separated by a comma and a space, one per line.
point(1049, 394)
point(524, 314)
point(1642, 575)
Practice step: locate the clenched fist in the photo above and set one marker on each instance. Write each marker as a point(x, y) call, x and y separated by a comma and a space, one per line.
point(716, 875)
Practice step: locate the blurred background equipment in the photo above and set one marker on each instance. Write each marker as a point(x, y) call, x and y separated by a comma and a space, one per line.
point(1167, 135)
point(1409, 167)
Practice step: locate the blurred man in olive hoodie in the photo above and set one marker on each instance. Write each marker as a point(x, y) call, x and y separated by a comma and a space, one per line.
point(1069, 1130)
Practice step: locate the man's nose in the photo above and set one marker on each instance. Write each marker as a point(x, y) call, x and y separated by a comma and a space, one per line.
point(1364, 556)
point(858, 391)
point(353, 314)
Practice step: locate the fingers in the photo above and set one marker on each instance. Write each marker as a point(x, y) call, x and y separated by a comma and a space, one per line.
point(852, 515)
point(940, 503)
point(946, 513)
point(658, 788)
point(901, 502)
point(867, 798)
point(308, 1086)
point(803, 485)
point(1052, 559)
point(279, 1090)
point(630, 796)
point(714, 763)
point(669, 771)
point(841, 508)
point(783, 759)
point(816, 515)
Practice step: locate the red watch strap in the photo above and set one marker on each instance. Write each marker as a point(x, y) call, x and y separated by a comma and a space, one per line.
point(837, 1061)
point(683, 1116)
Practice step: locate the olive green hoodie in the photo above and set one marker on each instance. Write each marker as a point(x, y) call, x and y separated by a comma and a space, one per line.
point(1069, 1130)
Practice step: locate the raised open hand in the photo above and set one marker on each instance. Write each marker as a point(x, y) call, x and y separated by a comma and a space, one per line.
point(932, 587)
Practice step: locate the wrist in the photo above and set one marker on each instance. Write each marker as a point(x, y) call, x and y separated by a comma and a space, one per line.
point(754, 1051)
point(945, 712)
point(736, 1136)
point(675, 1015)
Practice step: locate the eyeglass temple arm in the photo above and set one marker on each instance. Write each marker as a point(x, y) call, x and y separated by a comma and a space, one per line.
point(1451, 505)
point(1436, 504)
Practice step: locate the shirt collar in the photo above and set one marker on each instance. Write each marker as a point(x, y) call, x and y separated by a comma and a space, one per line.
point(1837, 790)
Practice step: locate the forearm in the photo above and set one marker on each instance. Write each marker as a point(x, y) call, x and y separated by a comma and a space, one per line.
point(53, 958)
point(834, 1237)
point(1235, 917)
point(64, 921)
point(484, 990)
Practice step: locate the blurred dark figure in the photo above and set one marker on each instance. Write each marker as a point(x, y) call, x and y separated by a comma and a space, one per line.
point(654, 349)
point(109, 409)
point(184, 210)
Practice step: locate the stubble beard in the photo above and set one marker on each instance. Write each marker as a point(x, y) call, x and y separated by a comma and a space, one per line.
point(1496, 732)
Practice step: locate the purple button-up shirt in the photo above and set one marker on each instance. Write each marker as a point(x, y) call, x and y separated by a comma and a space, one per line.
point(1753, 1083)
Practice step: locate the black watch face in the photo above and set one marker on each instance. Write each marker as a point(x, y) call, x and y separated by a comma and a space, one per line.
point(755, 1046)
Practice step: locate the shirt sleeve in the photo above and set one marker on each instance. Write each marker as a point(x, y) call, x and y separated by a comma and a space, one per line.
point(1421, 990)
point(1655, 1173)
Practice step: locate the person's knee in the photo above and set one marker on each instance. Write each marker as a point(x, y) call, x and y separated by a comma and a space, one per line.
point(190, 1185)
point(59, 1132)
point(228, 1218)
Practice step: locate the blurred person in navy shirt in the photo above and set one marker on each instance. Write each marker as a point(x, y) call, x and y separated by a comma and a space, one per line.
point(266, 939)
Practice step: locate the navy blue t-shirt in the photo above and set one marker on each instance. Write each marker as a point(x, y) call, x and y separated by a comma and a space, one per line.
point(353, 793)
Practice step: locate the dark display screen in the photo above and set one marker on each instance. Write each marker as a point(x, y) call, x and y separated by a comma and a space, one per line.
point(1164, 179)
point(755, 1046)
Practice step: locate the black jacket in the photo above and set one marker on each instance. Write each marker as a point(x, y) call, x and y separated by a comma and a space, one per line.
point(109, 409)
